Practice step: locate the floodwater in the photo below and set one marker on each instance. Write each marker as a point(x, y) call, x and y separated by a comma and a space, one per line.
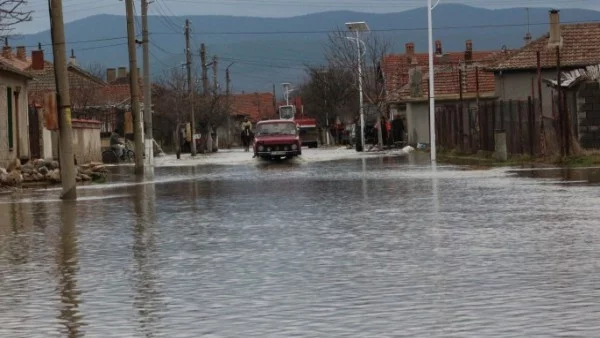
point(372, 247)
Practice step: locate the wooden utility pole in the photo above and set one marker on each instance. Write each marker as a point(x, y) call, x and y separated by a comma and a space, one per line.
point(149, 138)
point(275, 100)
point(227, 82)
point(215, 65)
point(540, 106)
point(188, 63)
point(133, 87)
point(67, 163)
point(204, 70)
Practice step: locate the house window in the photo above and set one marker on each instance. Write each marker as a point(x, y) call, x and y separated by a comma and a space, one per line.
point(9, 109)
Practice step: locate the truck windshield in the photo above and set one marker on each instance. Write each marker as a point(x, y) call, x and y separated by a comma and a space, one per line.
point(276, 129)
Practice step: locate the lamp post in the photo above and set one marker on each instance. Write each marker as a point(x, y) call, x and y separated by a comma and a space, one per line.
point(286, 92)
point(431, 81)
point(358, 27)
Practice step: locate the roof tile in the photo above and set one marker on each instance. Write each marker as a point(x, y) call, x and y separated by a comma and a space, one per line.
point(580, 48)
point(257, 106)
point(397, 69)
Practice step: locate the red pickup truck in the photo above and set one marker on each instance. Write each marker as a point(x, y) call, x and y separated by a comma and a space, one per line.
point(276, 139)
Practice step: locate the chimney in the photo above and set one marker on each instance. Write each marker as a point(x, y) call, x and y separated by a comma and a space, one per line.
point(469, 51)
point(37, 60)
point(6, 50)
point(122, 72)
point(72, 59)
point(21, 53)
point(528, 38)
point(410, 49)
point(555, 38)
point(111, 75)
point(438, 48)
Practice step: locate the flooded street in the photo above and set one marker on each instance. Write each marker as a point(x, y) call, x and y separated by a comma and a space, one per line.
point(330, 245)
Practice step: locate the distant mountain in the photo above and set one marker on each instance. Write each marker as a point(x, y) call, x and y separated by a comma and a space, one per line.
point(269, 51)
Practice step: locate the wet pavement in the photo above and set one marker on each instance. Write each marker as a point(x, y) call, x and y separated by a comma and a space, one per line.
point(332, 245)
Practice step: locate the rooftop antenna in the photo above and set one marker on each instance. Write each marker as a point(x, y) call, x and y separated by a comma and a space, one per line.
point(528, 35)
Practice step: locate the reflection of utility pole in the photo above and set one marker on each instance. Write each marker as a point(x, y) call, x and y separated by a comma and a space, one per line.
point(67, 165)
point(188, 62)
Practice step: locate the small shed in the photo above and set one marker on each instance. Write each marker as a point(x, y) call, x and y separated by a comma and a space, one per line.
point(581, 98)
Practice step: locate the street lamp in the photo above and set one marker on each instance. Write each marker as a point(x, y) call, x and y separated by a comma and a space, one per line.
point(431, 81)
point(360, 27)
point(286, 92)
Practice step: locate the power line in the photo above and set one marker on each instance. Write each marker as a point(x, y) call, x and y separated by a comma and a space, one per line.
point(384, 29)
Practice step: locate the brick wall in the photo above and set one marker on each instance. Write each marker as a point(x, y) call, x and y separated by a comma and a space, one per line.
point(588, 115)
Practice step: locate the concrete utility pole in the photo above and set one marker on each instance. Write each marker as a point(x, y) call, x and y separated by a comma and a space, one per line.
point(204, 70)
point(432, 139)
point(67, 163)
point(188, 63)
point(149, 138)
point(133, 86)
point(228, 100)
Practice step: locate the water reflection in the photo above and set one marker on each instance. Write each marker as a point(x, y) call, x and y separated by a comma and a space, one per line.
point(67, 263)
point(146, 301)
point(357, 248)
point(567, 175)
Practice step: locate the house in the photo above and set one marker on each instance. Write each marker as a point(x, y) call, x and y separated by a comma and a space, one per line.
point(41, 103)
point(114, 108)
point(14, 122)
point(255, 106)
point(459, 77)
point(575, 45)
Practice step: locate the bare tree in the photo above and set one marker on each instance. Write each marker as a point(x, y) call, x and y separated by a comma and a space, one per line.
point(13, 12)
point(329, 93)
point(86, 85)
point(169, 100)
point(333, 90)
point(97, 70)
point(172, 101)
point(342, 52)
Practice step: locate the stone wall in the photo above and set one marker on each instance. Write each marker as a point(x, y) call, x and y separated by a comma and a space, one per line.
point(588, 115)
point(87, 145)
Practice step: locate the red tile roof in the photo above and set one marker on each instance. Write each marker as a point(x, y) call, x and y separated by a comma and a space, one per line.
point(257, 106)
point(580, 48)
point(8, 67)
point(397, 67)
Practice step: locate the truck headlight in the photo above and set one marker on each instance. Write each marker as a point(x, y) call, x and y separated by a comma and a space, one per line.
point(261, 148)
point(294, 147)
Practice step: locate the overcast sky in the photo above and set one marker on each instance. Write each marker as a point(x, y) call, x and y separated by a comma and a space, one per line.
point(78, 9)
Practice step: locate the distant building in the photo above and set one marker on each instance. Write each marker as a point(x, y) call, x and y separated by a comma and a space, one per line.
point(406, 78)
point(516, 76)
